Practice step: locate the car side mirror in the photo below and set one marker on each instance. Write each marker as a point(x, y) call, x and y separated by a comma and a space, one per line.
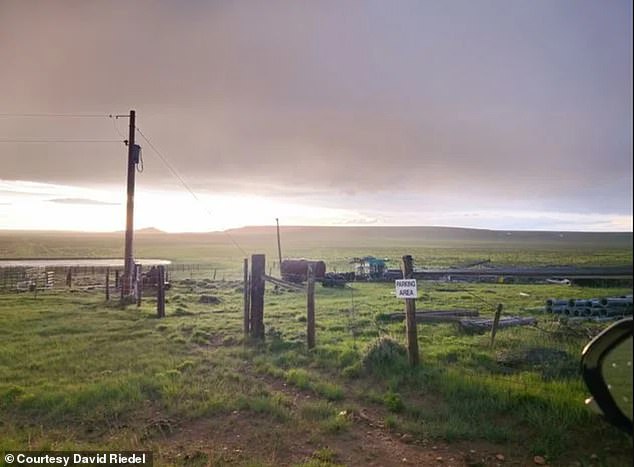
point(607, 371)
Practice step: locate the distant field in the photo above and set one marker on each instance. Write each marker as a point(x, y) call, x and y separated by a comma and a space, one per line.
point(430, 246)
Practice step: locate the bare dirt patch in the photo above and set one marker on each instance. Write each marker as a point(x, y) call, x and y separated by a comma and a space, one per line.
point(242, 437)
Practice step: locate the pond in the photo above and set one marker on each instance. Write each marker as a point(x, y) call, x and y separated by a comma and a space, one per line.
point(77, 262)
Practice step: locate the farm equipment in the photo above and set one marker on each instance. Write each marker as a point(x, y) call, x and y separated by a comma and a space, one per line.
point(332, 279)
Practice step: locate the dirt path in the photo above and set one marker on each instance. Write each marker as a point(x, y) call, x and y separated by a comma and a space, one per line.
point(241, 437)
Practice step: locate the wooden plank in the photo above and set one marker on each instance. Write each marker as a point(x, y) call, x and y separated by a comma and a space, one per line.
point(283, 283)
point(567, 272)
point(433, 316)
point(484, 325)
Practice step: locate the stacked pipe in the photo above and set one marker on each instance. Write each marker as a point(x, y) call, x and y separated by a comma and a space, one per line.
point(599, 307)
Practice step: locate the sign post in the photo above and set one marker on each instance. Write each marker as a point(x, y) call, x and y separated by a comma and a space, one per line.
point(406, 289)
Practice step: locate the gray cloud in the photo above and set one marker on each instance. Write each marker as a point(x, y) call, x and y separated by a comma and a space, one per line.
point(489, 102)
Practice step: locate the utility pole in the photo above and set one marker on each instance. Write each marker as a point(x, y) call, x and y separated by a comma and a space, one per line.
point(133, 159)
point(279, 245)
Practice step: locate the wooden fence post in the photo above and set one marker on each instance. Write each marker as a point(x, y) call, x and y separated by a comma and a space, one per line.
point(258, 266)
point(139, 285)
point(496, 322)
point(245, 296)
point(410, 315)
point(69, 278)
point(310, 308)
point(107, 284)
point(160, 293)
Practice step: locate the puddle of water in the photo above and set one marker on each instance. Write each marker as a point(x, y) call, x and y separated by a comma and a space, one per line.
point(62, 263)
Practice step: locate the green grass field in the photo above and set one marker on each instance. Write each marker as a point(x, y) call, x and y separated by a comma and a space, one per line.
point(77, 372)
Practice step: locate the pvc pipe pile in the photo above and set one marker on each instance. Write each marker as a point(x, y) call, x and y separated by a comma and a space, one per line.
point(597, 307)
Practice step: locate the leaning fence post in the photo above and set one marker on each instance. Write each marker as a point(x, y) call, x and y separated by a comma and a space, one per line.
point(160, 293)
point(258, 265)
point(496, 322)
point(410, 315)
point(245, 296)
point(310, 308)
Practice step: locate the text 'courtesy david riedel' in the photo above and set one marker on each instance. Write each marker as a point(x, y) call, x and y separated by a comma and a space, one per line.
point(83, 458)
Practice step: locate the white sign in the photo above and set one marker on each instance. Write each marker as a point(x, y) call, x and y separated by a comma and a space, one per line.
point(406, 288)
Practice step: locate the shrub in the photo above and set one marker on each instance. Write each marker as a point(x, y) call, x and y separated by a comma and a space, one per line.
point(393, 402)
point(298, 377)
point(332, 392)
point(383, 355)
point(352, 371)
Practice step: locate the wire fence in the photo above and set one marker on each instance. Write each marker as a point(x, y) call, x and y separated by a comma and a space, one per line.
point(46, 278)
point(359, 316)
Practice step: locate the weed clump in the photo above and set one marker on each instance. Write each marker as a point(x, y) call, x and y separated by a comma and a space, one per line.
point(210, 299)
point(10, 395)
point(180, 311)
point(384, 355)
point(393, 402)
point(353, 371)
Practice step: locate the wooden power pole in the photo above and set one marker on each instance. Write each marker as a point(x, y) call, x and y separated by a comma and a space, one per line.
point(279, 245)
point(410, 315)
point(128, 261)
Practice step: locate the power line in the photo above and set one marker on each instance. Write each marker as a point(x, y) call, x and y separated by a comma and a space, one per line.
point(20, 141)
point(175, 173)
point(114, 123)
point(52, 115)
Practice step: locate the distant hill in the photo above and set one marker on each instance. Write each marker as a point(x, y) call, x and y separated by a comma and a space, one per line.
point(149, 231)
point(435, 235)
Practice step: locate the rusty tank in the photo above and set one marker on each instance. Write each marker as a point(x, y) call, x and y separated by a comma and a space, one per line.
point(296, 270)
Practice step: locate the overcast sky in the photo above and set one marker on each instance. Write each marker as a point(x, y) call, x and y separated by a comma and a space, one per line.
point(495, 114)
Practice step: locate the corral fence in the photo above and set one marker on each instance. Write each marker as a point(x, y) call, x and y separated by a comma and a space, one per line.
point(19, 279)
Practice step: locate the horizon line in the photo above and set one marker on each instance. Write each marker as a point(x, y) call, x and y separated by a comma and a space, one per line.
point(308, 226)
